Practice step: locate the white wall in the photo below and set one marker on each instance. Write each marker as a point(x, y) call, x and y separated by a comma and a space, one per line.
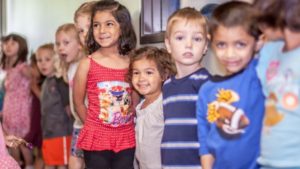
point(38, 20)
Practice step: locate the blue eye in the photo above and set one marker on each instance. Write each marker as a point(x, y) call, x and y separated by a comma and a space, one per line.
point(179, 37)
point(198, 39)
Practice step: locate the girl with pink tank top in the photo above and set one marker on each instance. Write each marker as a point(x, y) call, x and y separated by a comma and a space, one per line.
point(107, 137)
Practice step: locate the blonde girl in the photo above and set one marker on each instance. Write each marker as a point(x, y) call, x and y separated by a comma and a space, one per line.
point(70, 51)
point(107, 136)
point(56, 122)
point(82, 20)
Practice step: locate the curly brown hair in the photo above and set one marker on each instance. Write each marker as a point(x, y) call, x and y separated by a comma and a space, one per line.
point(161, 57)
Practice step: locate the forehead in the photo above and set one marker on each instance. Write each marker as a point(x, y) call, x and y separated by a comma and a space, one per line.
point(11, 40)
point(104, 15)
point(65, 34)
point(231, 33)
point(44, 53)
point(187, 26)
point(83, 18)
point(144, 62)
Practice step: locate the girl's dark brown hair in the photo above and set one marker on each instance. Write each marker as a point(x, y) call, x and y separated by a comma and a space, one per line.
point(161, 57)
point(23, 49)
point(292, 15)
point(270, 12)
point(127, 39)
point(235, 13)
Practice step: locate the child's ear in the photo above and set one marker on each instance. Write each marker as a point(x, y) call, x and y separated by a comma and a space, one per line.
point(168, 46)
point(260, 42)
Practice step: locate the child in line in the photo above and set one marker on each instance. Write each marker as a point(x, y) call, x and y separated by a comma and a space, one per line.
point(107, 137)
point(230, 108)
point(56, 123)
point(18, 98)
point(279, 72)
point(70, 51)
point(82, 20)
point(35, 134)
point(149, 68)
point(186, 40)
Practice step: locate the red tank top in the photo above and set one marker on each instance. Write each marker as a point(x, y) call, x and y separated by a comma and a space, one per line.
point(109, 124)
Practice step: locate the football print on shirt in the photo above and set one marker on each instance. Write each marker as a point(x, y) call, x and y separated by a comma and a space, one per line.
point(230, 119)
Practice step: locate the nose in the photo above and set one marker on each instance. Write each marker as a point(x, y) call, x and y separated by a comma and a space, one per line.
point(102, 29)
point(142, 76)
point(230, 53)
point(188, 43)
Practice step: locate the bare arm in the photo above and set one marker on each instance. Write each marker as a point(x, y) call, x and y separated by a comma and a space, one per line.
point(207, 161)
point(79, 88)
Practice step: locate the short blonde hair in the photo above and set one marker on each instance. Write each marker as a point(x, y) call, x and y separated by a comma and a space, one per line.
point(84, 9)
point(186, 14)
point(69, 28)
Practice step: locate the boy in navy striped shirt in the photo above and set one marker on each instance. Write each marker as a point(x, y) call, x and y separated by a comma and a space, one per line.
point(186, 39)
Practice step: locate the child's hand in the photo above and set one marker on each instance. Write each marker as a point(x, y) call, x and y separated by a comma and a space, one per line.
point(14, 142)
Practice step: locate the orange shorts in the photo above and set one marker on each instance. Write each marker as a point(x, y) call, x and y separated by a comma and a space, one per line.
point(56, 151)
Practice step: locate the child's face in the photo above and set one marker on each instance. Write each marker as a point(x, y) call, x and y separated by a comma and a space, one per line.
point(146, 78)
point(82, 25)
point(45, 62)
point(234, 47)
point(10, 48)
point(187, 44)
point(68, 47)
point(106, 29)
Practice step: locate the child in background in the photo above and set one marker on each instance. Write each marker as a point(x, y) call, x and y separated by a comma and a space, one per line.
point(82, 20)
point(279, 72)
point(35, 134)
point(186, 39)
point(70, 51)
point(56, 123)
point(230, 108)
point(2, 77)
point(107, 137)
point(149, 68)
point(18, 98)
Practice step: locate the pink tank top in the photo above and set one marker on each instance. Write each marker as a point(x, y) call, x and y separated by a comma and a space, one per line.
point(109, 123)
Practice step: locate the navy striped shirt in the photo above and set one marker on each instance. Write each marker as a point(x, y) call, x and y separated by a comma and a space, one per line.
point(180, 146)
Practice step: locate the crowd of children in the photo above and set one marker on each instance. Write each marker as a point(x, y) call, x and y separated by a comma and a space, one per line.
point(92, 100)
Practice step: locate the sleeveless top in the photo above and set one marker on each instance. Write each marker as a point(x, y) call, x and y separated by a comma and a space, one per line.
point(109, 123)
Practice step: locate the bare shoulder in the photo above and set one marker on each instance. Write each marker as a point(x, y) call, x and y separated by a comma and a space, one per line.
point(84, 63)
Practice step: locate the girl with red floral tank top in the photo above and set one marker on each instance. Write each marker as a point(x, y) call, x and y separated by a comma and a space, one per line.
point(107, 137)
